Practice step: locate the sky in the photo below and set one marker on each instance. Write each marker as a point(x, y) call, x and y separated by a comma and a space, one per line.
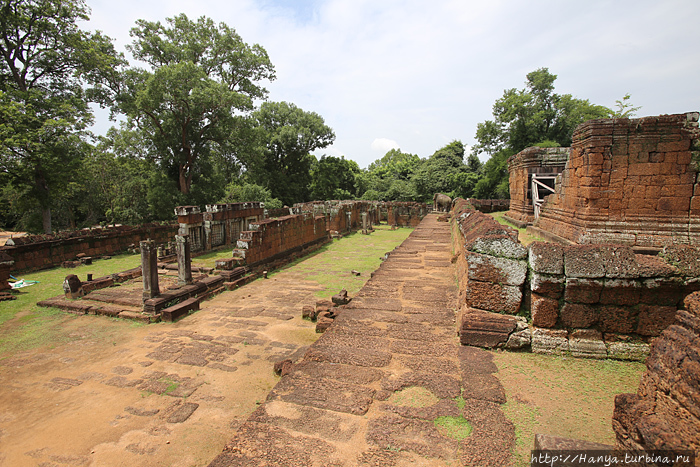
point(418, 74)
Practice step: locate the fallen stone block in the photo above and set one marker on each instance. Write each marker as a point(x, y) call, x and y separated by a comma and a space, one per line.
point(521, 337)
point(283, 367)
point(341, 298)
point(70, 264)
point(550, 341)
point(308, 312)
point(323, 323)
point(174, 312)
point(183, 412)
point(73, 287)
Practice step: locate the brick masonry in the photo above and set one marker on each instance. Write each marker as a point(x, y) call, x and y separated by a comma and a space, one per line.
point(628, 181)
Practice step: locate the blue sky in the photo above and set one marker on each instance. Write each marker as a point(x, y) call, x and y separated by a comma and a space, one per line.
point(417, 74)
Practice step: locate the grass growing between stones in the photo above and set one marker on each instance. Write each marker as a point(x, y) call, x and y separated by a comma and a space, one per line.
point(357, 252)
point(562, 396)
point(414, 396)
point(524, 237)
point(453, 427)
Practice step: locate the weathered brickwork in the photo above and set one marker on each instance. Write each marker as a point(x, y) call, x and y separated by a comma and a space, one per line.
point(273, 238)
point(664, 414)
point(628, 181)
point(521, 167)
point(220, 225)
point(34, 252)
point(590, 300)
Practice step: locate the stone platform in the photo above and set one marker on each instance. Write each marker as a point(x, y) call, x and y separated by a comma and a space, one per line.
point(385, 380)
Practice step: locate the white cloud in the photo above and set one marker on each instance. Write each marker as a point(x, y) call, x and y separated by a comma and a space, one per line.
point(427, 72)
point(383, 145)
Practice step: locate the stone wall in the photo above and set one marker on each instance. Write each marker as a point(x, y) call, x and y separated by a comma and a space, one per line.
point(221, 224)
point(629, 181)
point(521, 167)
point(272, 239)
point(34, 252)
point(406, 214)
point(489, 205)
point(587, 299)
point(664, 414)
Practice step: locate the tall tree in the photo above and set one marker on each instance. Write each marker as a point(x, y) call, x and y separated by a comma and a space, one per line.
point(333, 178)
point(47, 67)
point(534, 114)
point(202, 84)
point(289, 135)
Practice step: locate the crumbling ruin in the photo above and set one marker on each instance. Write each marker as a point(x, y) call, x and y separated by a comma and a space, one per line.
point(627, 181)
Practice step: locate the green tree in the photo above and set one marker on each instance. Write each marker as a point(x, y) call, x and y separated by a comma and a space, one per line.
point(534, 114)
point(527, 117)
point(193, 101)
point(333, 178)
point(49, 70)
point(238, 193)
point(441, 172)
point(289, 134)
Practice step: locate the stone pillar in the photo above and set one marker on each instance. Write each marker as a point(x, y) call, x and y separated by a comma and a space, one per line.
point(365, 223)
point(184, 261)
point(348, 214)
point(149, 269)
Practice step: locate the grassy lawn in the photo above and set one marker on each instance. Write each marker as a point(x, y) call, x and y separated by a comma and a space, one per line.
point(357, 252)
point(25, 325)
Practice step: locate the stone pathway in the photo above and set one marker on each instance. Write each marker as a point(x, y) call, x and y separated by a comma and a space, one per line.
point(385, 383)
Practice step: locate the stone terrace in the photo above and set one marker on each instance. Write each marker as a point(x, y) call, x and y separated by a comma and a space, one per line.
point(343, 404)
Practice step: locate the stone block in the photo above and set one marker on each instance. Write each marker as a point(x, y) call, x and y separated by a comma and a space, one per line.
point(498, 245)
point(587, 343)
point(551, 286)
point(686, 258)
point(653, 319)
point(545, 311)
point(662, 291)
point(620, 292)
point(583, 290)
point(550, 341)
point(584, 261)
point(486, 268)
point(308, 312)
point(635, 351)
point(482, 329)
point(578, 315)
point(546, 258)
point(493, 297)
point(622, 319)
point(73, 287)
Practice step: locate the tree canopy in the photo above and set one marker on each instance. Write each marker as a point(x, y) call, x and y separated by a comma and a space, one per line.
point(289, 135)
point(202, 84)
point(49, 70)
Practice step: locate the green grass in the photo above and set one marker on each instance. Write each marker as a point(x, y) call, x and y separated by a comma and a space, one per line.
point(358, 252)
point(524, 237)
point(24, 325)
point(457, 428)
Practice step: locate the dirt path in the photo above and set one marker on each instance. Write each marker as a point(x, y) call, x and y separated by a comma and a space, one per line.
point(388, 384)
point(121, 394)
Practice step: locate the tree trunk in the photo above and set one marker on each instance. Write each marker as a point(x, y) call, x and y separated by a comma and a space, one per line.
point(184, 180)
point(46, 219)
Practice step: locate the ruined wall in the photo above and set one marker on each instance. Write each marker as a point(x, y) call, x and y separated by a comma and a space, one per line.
point(406, 214)
point(34, 252)
point(629, 181)
point(664, 414)
point(521, 166)
point(489, 205)
point(592, 300)
point(221, 224)
point(272, 239)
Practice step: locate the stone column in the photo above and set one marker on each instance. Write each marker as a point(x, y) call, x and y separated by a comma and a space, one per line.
point(149, 269)
point(184, 261)
point(349, 222)
point(365, 228)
